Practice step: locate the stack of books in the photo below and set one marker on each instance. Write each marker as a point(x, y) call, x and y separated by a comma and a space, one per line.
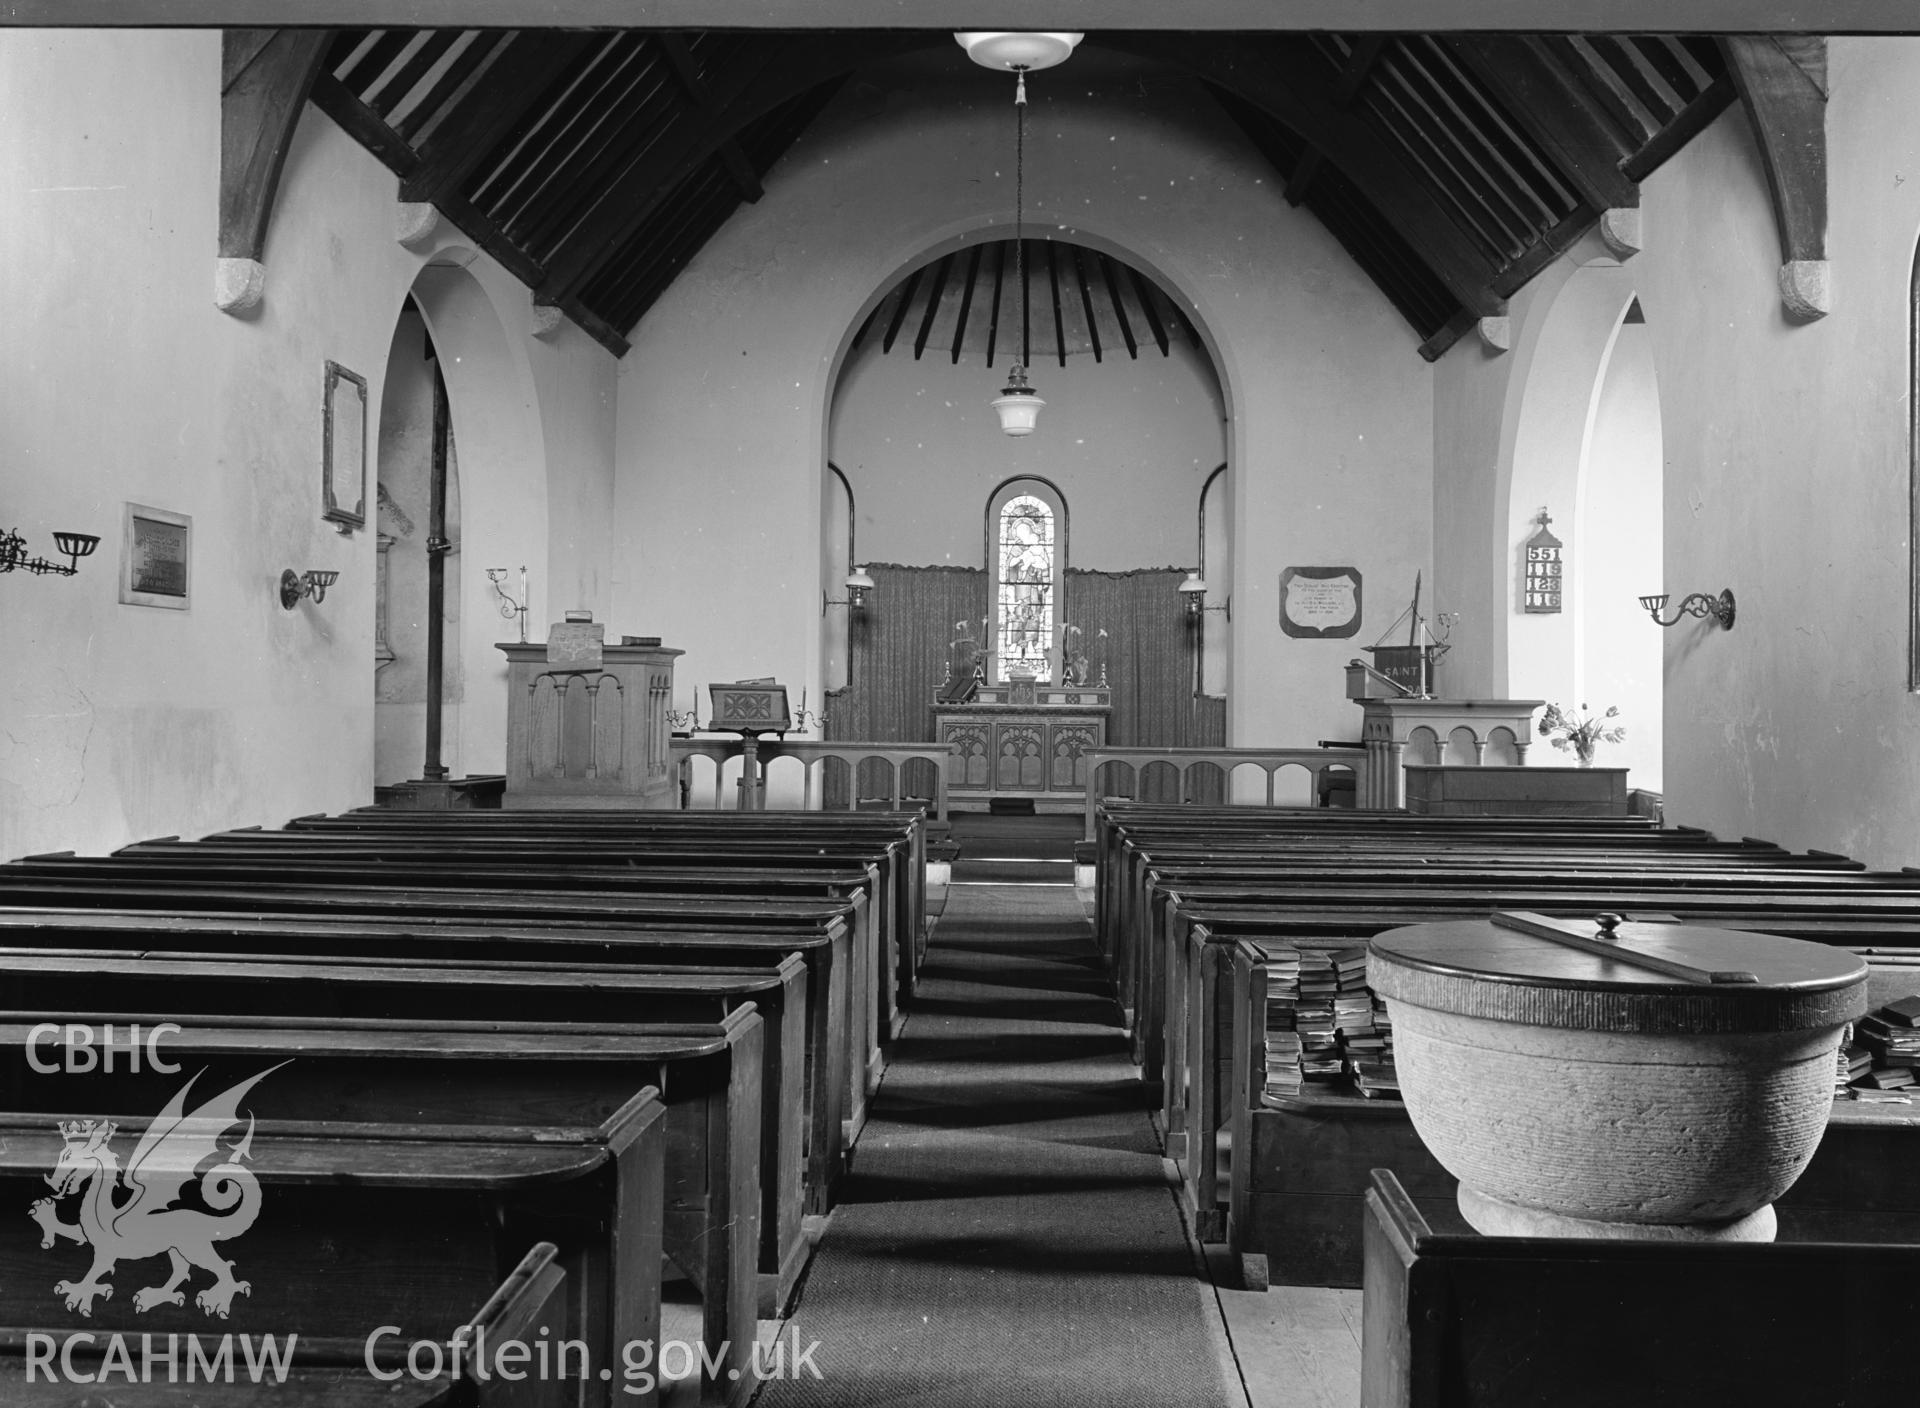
point(1314, 1020)
point(1282, 1039)
point(1890, 1038)
point(1851, 1062)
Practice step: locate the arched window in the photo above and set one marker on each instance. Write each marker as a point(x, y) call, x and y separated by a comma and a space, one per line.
point(1026, 557)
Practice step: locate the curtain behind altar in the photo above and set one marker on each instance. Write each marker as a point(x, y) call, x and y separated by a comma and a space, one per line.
point(1150, 655)
point(897, 651)
point(899, 646)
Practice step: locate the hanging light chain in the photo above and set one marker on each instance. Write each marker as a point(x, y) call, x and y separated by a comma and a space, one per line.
point(1019, 204)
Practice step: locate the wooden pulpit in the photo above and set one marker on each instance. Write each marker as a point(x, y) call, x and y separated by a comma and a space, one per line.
point(587, 722)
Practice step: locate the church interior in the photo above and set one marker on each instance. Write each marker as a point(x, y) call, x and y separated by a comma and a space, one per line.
point(1208, 547)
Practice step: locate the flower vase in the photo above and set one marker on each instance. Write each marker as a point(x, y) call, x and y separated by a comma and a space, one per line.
point(1584, 756)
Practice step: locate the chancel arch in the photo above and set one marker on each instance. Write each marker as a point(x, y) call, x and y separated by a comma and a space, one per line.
point(1057, 555)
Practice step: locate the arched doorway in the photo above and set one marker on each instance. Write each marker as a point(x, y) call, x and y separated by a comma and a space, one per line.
point(419, 522)
point(451, 351)
point(1588, 468)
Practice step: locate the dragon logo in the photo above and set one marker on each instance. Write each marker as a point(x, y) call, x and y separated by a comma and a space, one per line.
point(147, 1224)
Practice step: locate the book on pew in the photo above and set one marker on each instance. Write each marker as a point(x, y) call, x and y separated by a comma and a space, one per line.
point(1884, 1040)
point(1376, 1079)
point(1890, 1078)
point(1905, 1012)
point(1850, 1063)
point(1350, 969)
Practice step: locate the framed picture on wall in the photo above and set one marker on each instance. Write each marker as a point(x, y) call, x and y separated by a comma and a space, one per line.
point(156, 558)
point(343, 464)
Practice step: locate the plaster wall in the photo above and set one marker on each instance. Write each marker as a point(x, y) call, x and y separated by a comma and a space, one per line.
point(1618, 537)
point(1129, 443)
point(122, 381)
point(1786, 476)
point(723, 416)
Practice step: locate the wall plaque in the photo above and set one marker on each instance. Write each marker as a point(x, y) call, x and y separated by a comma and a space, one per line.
point(1320, 602)
point(156, 557)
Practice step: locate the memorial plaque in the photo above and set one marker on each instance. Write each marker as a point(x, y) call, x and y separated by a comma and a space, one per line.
point(1320, 603)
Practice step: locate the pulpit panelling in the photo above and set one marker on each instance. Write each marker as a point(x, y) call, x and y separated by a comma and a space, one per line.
point(589, 738)
point(1388, 725)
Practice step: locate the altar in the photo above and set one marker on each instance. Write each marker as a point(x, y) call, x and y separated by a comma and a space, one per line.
point(1023, 740)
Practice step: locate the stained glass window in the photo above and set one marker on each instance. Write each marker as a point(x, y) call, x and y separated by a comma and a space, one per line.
point(1025, 579)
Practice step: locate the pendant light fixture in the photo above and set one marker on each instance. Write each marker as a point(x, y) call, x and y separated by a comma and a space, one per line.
point(1018, 405)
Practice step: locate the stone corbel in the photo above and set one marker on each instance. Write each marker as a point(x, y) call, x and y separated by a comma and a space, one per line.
point(1496, 333)
point(414, 222)
point(238, 284)
point(1620, 231)
point(544, 321)
point(265, 75)
point(1782, 82)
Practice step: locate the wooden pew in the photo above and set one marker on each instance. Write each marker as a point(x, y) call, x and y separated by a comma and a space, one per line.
point(1453, 1318)
point(712, 898)
point(898, 840)
point(884, 860)
point(381, 1105)
point(382, 1184)
point(320, 1352)
point(123, 987)
point(445, 924)
point(1338, 896)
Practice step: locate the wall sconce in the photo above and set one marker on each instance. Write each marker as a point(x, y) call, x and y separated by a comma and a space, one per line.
point(858, 585)
point(508, 606)
point(1194, 590)
point(13, 553)
point(1699, 604)
point(313, 584)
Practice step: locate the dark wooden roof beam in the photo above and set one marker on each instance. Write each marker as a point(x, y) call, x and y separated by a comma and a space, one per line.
point(732, 160)
point(1361, 58)
point(364, 125)
point(1300, 179)
point(393, 90)
point(1542, 98)
point(1289, 85)
point(933, 305)
point(966, 299)
point(787, 69)
point(1143, 291)
point(900, 311)
point(1626, 58)
point(1059, 318)
point(499, 104)
point(1119, 309)
point(1609, 89)
point(266, 75)
point(1086, 302)
point(1782, 81)
point(417, 124)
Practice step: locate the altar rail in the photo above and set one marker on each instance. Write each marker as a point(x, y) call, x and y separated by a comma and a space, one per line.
point(813, 755)
point(1317, 762)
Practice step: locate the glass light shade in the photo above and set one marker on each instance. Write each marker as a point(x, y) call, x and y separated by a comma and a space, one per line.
point(1017, 50)
point(1193, 591)
point(1018, 409)
point(859, 581)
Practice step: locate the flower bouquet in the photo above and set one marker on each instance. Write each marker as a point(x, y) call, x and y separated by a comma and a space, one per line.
point(1581, 731)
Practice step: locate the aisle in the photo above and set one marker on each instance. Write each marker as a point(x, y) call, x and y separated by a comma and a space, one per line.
point(1008, 1237)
